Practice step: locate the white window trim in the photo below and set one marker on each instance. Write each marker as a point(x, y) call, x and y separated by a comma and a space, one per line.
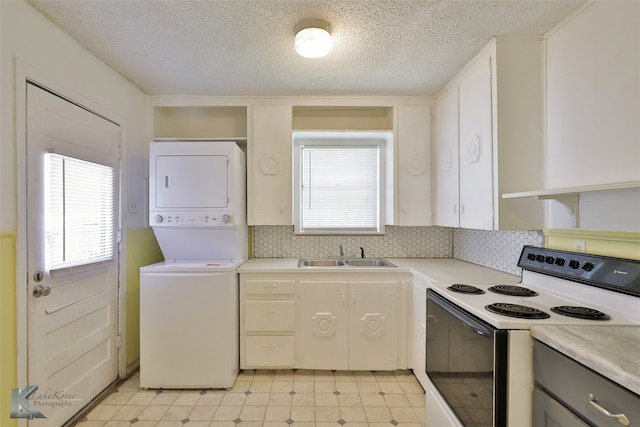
point(384, 140)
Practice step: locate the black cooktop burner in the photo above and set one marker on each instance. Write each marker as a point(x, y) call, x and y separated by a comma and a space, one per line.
point(516, 291)
point(580, 312)
point(516, 310)
point(465, 289)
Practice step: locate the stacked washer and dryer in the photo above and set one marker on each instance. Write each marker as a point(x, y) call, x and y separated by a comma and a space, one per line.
point(189, 302)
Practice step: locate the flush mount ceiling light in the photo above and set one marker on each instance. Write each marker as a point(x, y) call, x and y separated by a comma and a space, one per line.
point(313, 39)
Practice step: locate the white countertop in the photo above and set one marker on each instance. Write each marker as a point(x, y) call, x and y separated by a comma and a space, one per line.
point(612, 351)
point(434, 270)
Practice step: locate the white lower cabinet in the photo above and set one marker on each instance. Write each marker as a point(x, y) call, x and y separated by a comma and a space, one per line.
point(374, 325)
point(267, 323)
point(350, 325)
point(324, 325)
point(418, 330)
point(338, 324)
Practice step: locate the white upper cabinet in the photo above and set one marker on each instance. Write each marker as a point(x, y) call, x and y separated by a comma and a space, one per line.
point(500, 147)
point(446, 182)
point(414, 165)
point(476, 146)
point(269, 172)
point(593, 98)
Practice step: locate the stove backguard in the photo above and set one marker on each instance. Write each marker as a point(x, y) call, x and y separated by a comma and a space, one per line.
point(615, 274)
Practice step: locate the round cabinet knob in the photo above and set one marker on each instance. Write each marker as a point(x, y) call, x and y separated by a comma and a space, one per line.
point(158, 219)
point(225, 219)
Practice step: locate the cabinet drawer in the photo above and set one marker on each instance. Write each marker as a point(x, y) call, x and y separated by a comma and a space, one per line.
point(269, 287)
point(269, 316)
point(270, 351)
point(572, 382)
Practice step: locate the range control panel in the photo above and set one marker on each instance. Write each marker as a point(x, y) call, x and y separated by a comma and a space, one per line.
point(619, 274)
point(190, 219)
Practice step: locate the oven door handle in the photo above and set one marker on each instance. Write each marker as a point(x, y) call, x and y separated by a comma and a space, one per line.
point(480, 331)
point(467, 319)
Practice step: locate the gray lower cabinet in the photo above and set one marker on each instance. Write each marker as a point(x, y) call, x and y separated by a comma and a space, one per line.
point(568, 394)
point(548, 412)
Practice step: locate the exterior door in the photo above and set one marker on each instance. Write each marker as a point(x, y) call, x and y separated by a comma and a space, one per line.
point(72, 254)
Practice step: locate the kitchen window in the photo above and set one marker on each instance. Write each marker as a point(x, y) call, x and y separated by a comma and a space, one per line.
point(339, 182)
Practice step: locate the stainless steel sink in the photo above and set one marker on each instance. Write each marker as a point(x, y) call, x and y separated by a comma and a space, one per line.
point(320, 263)
point(371, 262)
point(348, 262)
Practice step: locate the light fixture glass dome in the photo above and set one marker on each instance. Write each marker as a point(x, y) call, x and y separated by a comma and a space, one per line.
point(313, 39)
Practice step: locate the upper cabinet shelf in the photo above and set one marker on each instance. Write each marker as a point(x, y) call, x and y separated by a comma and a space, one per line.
point(337, 118)
point(572, 191)
point(200, 122)
point(569, 197)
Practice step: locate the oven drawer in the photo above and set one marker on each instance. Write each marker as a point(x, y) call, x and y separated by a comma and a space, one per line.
point(572, 383)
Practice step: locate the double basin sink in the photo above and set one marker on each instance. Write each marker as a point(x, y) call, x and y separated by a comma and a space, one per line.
point(345, 262)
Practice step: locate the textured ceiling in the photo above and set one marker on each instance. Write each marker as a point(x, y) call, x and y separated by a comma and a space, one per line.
point(245, 47)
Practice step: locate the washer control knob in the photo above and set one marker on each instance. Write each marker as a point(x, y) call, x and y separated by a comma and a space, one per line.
point(225, 219)
point(588, 266)
point(574, 264)
point(560, 261)
point(158, 219)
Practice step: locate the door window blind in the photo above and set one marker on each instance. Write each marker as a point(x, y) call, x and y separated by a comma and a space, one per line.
point(339, 188)
point(79, 212)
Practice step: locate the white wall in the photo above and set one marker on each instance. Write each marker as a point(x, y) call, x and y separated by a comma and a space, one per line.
point(51, 55)
point(593, 114)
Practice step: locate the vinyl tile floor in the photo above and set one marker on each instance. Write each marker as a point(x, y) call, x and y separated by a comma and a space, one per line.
point(286, 398)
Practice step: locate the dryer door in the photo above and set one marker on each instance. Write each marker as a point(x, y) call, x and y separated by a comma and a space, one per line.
point(188, 181)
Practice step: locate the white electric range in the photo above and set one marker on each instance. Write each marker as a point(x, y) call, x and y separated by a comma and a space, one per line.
point(478, 343)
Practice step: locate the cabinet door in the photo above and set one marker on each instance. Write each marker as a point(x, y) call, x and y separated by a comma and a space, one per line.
point(414, 163)
point(476, 143)
point(270, 148)
point(547, 412)
point(373, 325)
point(323, 327)
point(446, 190)
point(418, 325)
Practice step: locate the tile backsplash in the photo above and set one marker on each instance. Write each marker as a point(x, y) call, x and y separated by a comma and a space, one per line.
point(397, 242)
point(494, 249)
point(499, 250)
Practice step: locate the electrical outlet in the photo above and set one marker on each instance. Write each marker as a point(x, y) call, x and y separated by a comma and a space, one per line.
point(579, 245)
point(132, 207)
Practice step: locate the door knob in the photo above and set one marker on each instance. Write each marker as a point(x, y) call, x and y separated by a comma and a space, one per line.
point(41, 291)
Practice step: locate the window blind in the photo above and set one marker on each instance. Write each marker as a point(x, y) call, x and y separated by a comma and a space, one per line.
point(79, 212)
point(339, 187)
